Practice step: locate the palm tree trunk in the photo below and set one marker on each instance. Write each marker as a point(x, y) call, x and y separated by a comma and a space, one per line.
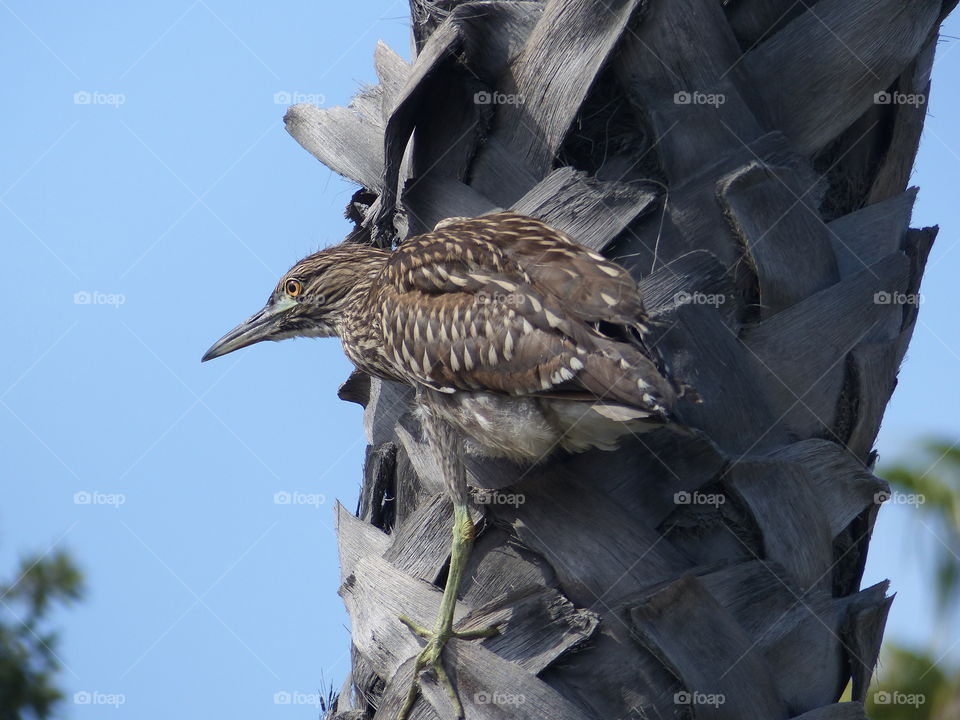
point(749, 162)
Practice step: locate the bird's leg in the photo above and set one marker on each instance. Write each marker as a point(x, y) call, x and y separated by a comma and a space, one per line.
point(446, 446)
point(430, 656)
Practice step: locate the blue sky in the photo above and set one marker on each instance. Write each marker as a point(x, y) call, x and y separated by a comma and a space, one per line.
point(148, 220)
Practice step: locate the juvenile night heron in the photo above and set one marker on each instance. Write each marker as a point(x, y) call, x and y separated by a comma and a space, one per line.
point(518, 341)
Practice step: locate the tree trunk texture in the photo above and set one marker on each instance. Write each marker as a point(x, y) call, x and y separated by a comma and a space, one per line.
point(748, 161)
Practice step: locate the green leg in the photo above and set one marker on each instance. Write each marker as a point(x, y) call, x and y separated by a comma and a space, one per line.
point(430, 656)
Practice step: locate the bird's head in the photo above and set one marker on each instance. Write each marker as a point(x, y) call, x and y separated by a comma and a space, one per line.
point(310, 300)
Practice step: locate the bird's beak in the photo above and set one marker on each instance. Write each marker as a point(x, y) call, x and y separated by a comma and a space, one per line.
point(256, 328)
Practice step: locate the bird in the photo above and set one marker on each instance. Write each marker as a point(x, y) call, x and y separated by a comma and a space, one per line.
point(519, 341)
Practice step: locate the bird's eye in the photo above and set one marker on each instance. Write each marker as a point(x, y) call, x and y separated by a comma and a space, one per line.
point(293, 287)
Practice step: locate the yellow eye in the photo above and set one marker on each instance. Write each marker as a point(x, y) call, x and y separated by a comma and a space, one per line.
point(293, 287)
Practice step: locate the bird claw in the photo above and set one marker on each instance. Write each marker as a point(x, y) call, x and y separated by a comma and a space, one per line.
point(430, 658)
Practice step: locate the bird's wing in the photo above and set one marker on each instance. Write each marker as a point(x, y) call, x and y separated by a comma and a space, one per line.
point(511, 257)
point(590, 287)
point(459, 311)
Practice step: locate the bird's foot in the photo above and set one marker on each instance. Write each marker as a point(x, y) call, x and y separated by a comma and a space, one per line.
point(430, 659)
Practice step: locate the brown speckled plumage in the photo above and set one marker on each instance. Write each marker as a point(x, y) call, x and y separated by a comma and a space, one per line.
point(511, 331)
point(504, 303)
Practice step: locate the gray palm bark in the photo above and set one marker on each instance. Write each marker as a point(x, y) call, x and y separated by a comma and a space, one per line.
point(748, 161)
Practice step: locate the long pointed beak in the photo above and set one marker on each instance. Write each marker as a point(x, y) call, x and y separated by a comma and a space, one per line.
point(257, 328)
